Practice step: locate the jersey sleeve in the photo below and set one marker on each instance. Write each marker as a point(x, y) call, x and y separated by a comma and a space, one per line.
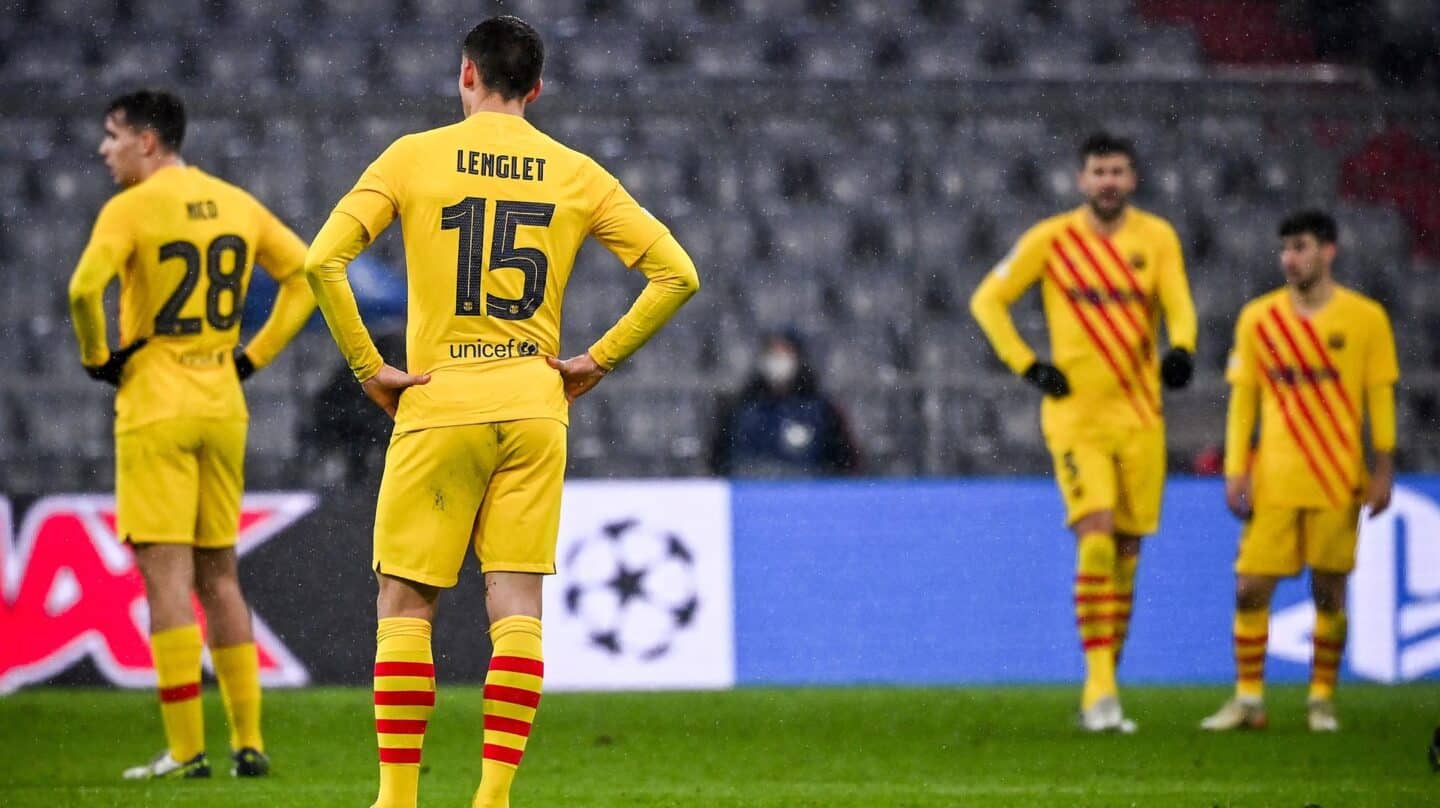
point(618, 221)
point(1382, 371)
point(374, 202)
point(1381, 366)
point(1241, 367)
point(335, 246)
point(1173, 287)
point(111, 243)
point(671, 280)
point(282, 254)
point(991, 302)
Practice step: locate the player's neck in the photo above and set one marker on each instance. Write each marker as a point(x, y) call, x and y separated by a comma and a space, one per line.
point(1106, 228)
point(494, 102)
point(158, 163)
point(1309, 301)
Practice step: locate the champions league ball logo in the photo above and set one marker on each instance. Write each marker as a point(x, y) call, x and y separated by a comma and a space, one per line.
point(632, 586)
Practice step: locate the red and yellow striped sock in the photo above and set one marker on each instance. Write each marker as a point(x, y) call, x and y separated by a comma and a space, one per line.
point(177, 670)
point(1125, 567)
point(1252, 634)
point(237, 669)
point(512, 694)
point(1094, 597)
point(404, 699)
point(1329, 647)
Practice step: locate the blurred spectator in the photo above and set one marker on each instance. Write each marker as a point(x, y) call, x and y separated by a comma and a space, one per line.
point(781, 424)
point(345, 434)
point(1209, 462)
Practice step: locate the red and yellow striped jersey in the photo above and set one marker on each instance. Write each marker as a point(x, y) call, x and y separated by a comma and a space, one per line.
point(1314, 375)
point(1103, 298)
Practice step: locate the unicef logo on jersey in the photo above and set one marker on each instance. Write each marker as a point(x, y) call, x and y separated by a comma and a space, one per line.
point(480, 349)
point(633, 587)
point(1394, 597)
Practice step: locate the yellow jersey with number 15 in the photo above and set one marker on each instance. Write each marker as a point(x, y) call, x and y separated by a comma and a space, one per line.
point(493, 212)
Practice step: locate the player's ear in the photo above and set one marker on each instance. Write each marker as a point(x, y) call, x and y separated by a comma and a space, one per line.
point(535, 91)
point(149, 142)
point(468, 73)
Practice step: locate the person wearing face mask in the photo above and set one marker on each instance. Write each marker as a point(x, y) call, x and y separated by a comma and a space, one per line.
point(780, 424)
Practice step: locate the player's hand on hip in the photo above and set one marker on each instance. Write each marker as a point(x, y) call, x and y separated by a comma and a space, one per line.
point(579, 373)
point(109, 371)
point(385, 387)
point(1237, 496)
point(1050, 379)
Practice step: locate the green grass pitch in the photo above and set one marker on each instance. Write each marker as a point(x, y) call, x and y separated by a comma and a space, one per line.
point(756, 747)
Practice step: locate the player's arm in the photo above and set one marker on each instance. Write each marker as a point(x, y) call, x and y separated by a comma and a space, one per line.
point(1241, 372)
point(109, 248)
point(1181, 323)
point(282, 254)
point(990, 306)
point(1382, 370)
point(360, 217)
point(641, 242)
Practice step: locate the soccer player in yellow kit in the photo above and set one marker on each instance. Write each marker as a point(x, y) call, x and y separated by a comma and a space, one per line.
point(1106, 272)
point(493, 212)
point(1317, 360)
point(184, 244)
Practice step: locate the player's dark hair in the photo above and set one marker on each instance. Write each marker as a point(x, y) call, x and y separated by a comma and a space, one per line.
point(508, 53)
point(1104, 144)
point(156, 110)
point(1317, 223)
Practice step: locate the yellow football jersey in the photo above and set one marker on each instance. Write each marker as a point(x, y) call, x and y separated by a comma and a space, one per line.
point(493, 212)
point(1314, 375)
point(184, 244)
point(1103, 298)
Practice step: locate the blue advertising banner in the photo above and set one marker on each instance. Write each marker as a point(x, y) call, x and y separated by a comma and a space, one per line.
point(969, 581)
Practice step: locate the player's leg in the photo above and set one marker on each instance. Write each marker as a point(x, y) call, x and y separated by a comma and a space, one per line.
point(429, 500)
point(1127, 563)
point(1140, 486)
point(155, 493)
point(404, 685)
point(1269, 551)
point(1085, 473)
point(515, 540)
point(217, 582)
point(1329, 538)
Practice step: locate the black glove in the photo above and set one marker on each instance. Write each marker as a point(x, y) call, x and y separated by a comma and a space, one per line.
point(1176, 368)
point(244, 368)
point(109, 372)
point(1048, 378)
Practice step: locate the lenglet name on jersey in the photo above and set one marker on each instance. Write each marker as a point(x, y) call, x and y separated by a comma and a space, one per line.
point(501, 166)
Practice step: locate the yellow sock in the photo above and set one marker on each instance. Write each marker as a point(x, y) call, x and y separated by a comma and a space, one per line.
point(1252, 634)
point(237, 667)
point(1125, 567)
point(404, 699)
point(1094, 597)
point(512, 694)
point(176, 652)
point(1329, 646)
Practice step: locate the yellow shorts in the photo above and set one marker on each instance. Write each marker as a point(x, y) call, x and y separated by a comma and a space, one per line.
point(494, 486)
point(1122, 473)
point(179, 481)
point(1278, 542)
